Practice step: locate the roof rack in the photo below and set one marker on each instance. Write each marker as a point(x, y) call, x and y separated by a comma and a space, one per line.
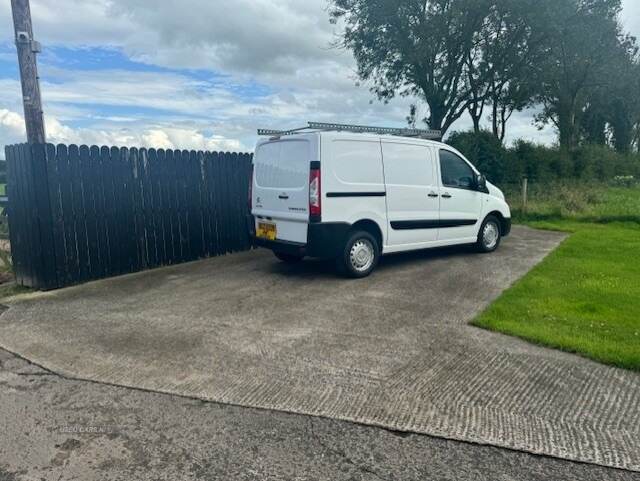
point(320, 126)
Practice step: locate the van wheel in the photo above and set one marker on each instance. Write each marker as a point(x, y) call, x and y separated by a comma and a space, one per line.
point(489, 236)
point(360, 255)
point(287, 258)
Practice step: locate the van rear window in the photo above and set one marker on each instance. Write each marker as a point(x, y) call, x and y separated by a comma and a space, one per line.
point(283, 164)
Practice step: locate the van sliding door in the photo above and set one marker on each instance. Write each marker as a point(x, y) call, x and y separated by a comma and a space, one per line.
point(413, 201)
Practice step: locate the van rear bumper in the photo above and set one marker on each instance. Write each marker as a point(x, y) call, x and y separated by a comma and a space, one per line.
point(325, 240)
point(291, 248)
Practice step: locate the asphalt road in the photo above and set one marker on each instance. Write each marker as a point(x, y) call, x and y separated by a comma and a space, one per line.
point(143, 435)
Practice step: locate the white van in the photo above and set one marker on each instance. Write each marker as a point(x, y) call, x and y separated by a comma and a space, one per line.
point(352, 194)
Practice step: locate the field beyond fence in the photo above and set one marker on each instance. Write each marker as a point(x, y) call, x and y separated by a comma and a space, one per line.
point(78, 213)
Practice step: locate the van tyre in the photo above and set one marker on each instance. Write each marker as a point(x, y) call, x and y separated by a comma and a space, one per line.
point(360, 255)
point(490, 235)
point(287, 258)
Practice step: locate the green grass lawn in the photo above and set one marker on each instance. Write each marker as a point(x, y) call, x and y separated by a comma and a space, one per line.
point(585, 296)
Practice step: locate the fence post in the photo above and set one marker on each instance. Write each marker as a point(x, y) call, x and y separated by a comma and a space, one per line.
point(525, 188)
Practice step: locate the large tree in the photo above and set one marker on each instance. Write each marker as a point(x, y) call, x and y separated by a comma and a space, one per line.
point(582, 38)
point(612, 107)
point(500, 68)
point(623, 98)
point(415, 48)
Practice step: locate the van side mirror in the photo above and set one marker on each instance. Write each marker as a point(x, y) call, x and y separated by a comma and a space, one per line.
point(481, 182)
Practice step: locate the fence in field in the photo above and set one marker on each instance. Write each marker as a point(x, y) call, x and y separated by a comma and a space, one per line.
point(78, 213)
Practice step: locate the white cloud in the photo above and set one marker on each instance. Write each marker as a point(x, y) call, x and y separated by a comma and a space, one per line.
point(251, 37)
point(163, 91)
point(172, 138)
point(11, 121)
point(180, 102)
point(72, 23)
point(240, 36)
point(12, 130)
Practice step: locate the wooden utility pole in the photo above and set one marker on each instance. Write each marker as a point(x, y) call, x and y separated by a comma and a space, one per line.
point(28, 48)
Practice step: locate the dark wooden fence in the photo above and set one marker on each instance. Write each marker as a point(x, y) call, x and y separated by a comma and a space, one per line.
point(78, 213)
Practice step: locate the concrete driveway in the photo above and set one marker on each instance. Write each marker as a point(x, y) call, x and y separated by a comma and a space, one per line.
point(393, 350)
point(46, 423)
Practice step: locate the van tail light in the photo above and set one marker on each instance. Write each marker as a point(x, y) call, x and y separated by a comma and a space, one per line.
point(315, 194)
point(250, 202)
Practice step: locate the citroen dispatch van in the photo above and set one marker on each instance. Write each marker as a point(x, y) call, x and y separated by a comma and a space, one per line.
point(355, 195)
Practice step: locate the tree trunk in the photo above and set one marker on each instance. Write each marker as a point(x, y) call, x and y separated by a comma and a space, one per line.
point(476, 121)
point(503, 127)
point(436, 118)
point(567, 125)
point(498, 121)
point(476, 109)
point(622, 138)
point(596, 132)
point(622, 129)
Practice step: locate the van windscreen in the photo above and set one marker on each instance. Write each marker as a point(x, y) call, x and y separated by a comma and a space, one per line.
point(283, 164)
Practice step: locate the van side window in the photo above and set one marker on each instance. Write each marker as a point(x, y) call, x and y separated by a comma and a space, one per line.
point(455, 171)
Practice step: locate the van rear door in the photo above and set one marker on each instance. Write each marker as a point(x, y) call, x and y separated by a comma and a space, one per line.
point(280, 194)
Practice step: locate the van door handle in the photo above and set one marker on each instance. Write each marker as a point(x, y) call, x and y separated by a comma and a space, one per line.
point(283, 196)
point(433, 194)
point(446, 195)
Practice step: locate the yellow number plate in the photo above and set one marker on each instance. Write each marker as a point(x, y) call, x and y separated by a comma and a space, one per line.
point(266, 231)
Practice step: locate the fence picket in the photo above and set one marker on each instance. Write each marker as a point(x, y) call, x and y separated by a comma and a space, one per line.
point(100, 258)
point(70, 260)
point(135, 211)
point(182, 229)
point(192, 207)
point(15, 209)
point(55, 200)
point(209, 225)
point(146, 211)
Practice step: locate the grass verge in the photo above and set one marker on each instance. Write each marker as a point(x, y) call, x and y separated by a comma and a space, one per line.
point(585, 296)
point(8, 287)
point(11, 289)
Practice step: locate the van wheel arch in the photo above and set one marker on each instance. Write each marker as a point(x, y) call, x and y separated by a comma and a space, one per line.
point(371, 227)
point(503, 222)
point(490, 234)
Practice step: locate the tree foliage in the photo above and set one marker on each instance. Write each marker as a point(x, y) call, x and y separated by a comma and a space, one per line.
point(582, 39)
point(570, 59)
point(415, 47)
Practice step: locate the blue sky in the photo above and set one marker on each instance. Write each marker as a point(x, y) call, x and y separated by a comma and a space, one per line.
point(130, 72)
